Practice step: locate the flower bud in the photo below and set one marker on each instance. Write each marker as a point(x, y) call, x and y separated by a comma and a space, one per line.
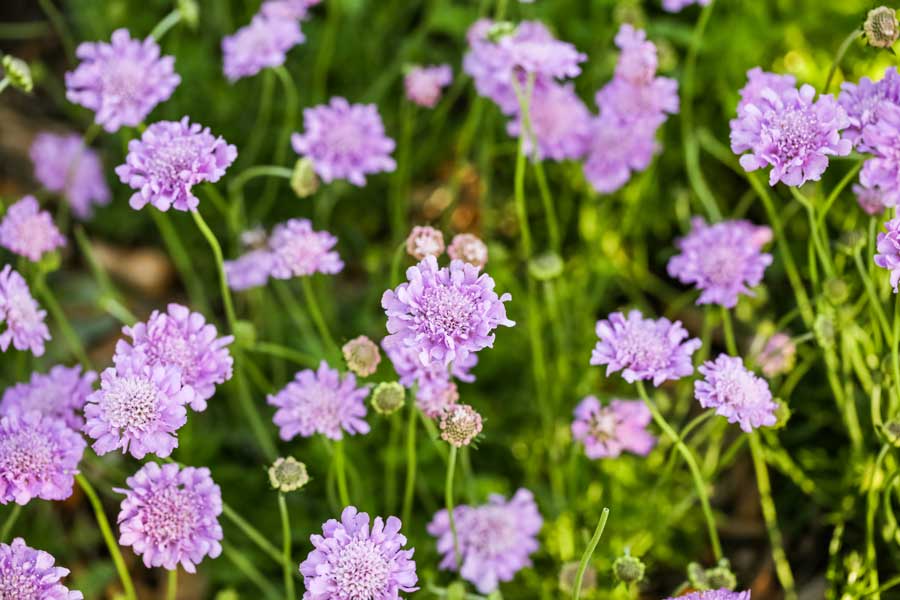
point(17, 72)
point(628, 569)
point(424, 241)
point(782, 414)
point(823, 328)
point(460, 425)
point(468, 248)
point(715, 578)
point(881, 28)
point(891, 431)
point(545, 267)
point(304, 180)
point(388, 397)
point(362, 356)
point(288, 474)
point(190, 12)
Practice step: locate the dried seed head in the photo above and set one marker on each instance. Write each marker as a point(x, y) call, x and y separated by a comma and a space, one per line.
point(288, 474)
point(362, 356)
point(424, 241)
point(304, 180)
point(17, 72)
point(388, 397)
point(881, 27)
point(460, 425)
point(629, 569)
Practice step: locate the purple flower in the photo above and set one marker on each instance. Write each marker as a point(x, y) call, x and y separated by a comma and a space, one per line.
point(882, 171)
point(121, 81)
point(722, 594)
point(560, 123)
point(182, 339)
point(250, 270)
point(649, 103)
point(777, 354)
point(495, 539)
point(862, 100)
point(261, 44)
point(437, 398)
point(170, 158)
point(722, 260)
point(607, 431)
point(871, 200)
point(424, 84)
point(792, 132)
point(61, 393)
point(138, 408)
point(888, 256)
point(677, 5)
point(468, 248)
point(39, 456)
point(759, 80)
point(446, 313)
point(638, 61)
point(287, 9)
point(24, 319)
point(298, 251)
point(345, 141)
point(170, 516)
point(616, 150)
point(28, 231)
point(320, 402)
point(63, 164)
point(353, 559)
point(735, 392)
point(26, 573)
point(641, 348)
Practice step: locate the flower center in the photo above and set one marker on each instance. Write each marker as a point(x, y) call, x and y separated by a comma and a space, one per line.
point(446, 312)
point(176, 350)
point(719, 264)
point(18, 584)
point(26, 453)
point(322, 406)
point(345, 137)
point(793, 133)
point(170, 516)
point(361, 572)
point(130, 402)
point(603, 425)
point(488, 531)
point(302, 253)
point(642, 346)
point(121, 81)
point(174, 160)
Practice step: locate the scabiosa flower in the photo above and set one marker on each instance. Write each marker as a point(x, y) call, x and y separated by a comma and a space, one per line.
point(345, 141)
point(607, 431)
point(352, 559)
point(791, 132)
point(881, 138)
point(495, 539)
point(777, 355)
point(735, 392)
point(60, 393)
point(121, 81)
point(560, 123)
point(320, 402)
point(24, 318)
point(29, 231)
point(616, 150)
point(261, 44)
point(437, 398)
point(862, 100)
point(871, 200)
point(249, 270)
point(170, 158)
point(424, 241)
point(445, 313)
point(39, 456)
point(722, 594)
point(63, 164)
point(468, 248)
point(138, 408)
point(641, 348)
point(424, 84)
point(649, 103)
point(182, 339)
point(362, 356)
point(27, 573)
point(759, 80)
point(287, 9)
point(678, 5)
point(460, 424)
point(298, 251)
point(412, 372)
point(888, 255)
point(170, 516)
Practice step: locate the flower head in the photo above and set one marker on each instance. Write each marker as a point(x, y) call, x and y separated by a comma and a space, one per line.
point(170, 158)
point(881, 27)
point(287, 9)
point(560, 123)
point(26, 573)
point(63, 164)
point(424, 241)
point(60, 393)
point(862, 101)
point(355, 559)
point(460, 424)
point(616, 150)
point(678, 5)
point(882, 138)
point(288, 474)
point(871, 200)
point(888, 255)
point(362, 356)
point(777, 355)
point(722, 594)
point(758, 81)
point(249, 270)
point(388, 397)
point(411, 370)
point(495, 539)
point(345, 141)
point(298, 251)
point(607, 431)
point(261, 44)
point(170, 516)
point(320, 402)
point(436, 399)
point(468, 248)
point(424, 84)
point(735, 392)
point(23, 317)
point(641, 348)
point(121, 81)
point(29, 231)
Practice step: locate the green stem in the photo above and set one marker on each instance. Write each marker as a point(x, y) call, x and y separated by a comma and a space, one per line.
point(727, 326)
point(850, 175)
point(260, 127)
point(588, 552)
point(220, 266)
point(815, 232)
point(10, 521)
point(288, 565)
point(172, 584)
point(340, 469)
point(301, 358)
point(316, 313)
point(62, 30)
point(400, 181)
point(168, 22)
point(236, 190)
point(448, 502)
point(838, 57)
point(110, 301)
point(250, 572)
point(519, 182)
point(547, 201)
point(253, 534)
point(68, 332)
point(871, 508)
point(895, 351)
point(410, 461)
point(872, 295)
point(183, 262)
point(287, 128)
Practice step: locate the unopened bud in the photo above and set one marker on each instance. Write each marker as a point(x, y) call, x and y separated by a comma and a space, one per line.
point(891, 431)
point(782, 413)
point(17, 72)
point(629, 569)
point(424, 241)
point(715, 578)
point(460, 425)
point(468, 248)
point(388, 397)
point(190, 12)
point(546, 266)
point(288, 474)
point(881, 27)
point(362, 356)
point(304, 180)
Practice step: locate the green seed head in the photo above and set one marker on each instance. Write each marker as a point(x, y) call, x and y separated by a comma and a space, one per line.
point(288, 474)
point(304, 180)
point(388, 397)
point(629, 569)
point(17, 72)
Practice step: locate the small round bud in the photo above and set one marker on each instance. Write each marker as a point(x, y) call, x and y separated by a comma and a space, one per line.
point(362, 356)
point(228, 594)
point(424, 241)
point(304, 180)
point(460, 425)
point(881, 27)
point(456, 591)
point(721, 576)
point(468, 248)
point(546, 266)
point(569, 572)
point(823, 328)
point(190, 12)
point(288, 474)
point(629, 569)
point(499, 30)
point(388, 397)
point(17, 72)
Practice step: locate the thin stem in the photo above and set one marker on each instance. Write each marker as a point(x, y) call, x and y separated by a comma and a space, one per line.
point(400, 181)
point(410, 462)
point(172, 584)
point(62, 30)
point(286, 541)
point(220, 266)
point(727, 326)
point(547, 201)
point(588, 552)
point(253, 534)
point(108, 537)
point(110, 301)
point(448, 502)
point(340, 469)
point(287, 128)
point(815, 231)
point(68, 332)
point(10, 521)
point(851, 174)
point(871, 507)
point(183, 262)
point(301, 358)
point(249, 570)
point(872, 295)
point(316, 313)
point(519, 182)
point(168, 22)
point(260, 127)
point(838, 57)
point(895, 351)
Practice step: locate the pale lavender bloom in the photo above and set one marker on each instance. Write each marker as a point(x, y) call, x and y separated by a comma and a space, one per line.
point(446, 313)
point(63, 165)
point(29, 574)
point(722, 260)
point(735, 392)
point(28, 231)
point(298, 251)
point(607, 431)
point(678, 5)
point(437, 398)
point(759, 80)
point(423, 85)
point(560, 123)
point(345, 141)
point(861, 101)
point(60, 393)
point(287, 9)
point(871, 200)
point(354, 559)
point(888, 255)
point(721, 594)
point(435, 389)
point(468, 248)
point(616, 150)
point(249, 270)
point(170, 516)
point(320, 402)
point(24, 318)
point(39, 456)
point(882, 171)
point(495, 539)
point(658, 350)
point(261, 44)
point(182, 339)
point(424, 241)
point(777, 356)
point(121, 81)
point(638, 61)
point(792, 132)
point(138, 408)
point(648, 103)
point(170, 158)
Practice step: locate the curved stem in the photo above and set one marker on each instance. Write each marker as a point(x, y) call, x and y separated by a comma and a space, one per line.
point(62, 30)
point(288, 565)
point(10, 521)
point(448, 502)
point(287, 128)
point(253, 534)
point(815, 232)
point(316, 313)
point(249, 570)
point(220, 260)
point(519, 183)
point(301, 358)
point(588, 552)
point(410, 461)
point(167, 23)
point(340, 469)
point(68, 332)
point(183, 262)
point(172, 584)
point(547, 201)
point(260, 127)
point(838, 57)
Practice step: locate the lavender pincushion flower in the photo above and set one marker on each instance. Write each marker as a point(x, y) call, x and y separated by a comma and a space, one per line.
point(182, 339)
point(882, 171)
point(320, 401)
point(607, 431)
point(560, 123)
point(862, 101)
point(249, 270)
point(170, 158)
point(39, 456)
point(495, 539)
point(299, 251)
point(261, 44)
point(121, 81)
point(888, 255)
point(423, 85)
point(345, 141)
point(29, 574)
point(871, 200)
point(720, 594)
point(60, 393)
point(735, 392)
point(759, 80)
point(616, 150)
point(658, 350)
point(28, 231)
point(22, 316)
point(63, 164)
point(678, 5)
point(446, 313)
point(356, 559)
point(170, 516)
point(287, 9)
